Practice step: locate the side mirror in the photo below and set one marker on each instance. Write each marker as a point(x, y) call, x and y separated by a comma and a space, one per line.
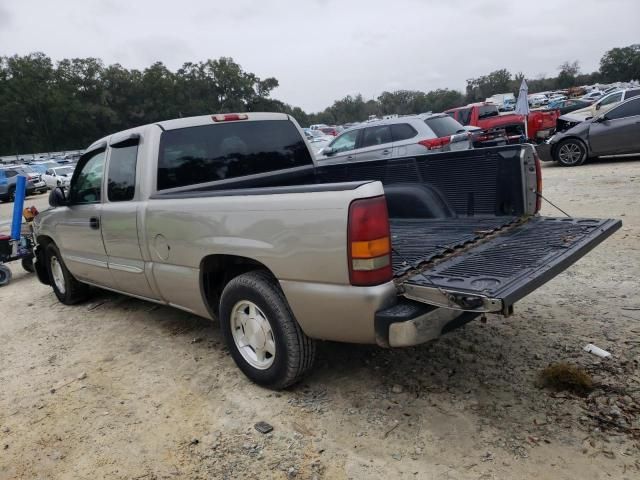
point(598, 106)
point(57, 197)
point(328, 151)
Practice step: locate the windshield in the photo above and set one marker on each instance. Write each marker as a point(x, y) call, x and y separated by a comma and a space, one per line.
point(63, 171)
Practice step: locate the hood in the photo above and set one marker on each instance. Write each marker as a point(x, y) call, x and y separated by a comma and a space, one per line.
point(580, 130)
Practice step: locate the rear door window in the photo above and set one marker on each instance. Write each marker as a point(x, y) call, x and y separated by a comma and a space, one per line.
point(121, 184)
point(444, 126)
point(402, 131)
point(373, 136)
point(486, 111)
point(207, 153)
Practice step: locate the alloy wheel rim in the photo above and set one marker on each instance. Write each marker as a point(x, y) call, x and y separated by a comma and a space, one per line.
point(252, 335)
point(58, 276)
point(570, 153)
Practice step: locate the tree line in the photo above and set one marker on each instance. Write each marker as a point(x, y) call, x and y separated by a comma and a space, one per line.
point(47, 106)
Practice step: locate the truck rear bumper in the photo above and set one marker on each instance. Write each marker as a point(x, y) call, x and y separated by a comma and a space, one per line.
point(411, 323)
point(340, 313)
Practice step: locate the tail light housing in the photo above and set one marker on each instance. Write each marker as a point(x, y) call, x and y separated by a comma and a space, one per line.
point(369, 242)
point(435, 143)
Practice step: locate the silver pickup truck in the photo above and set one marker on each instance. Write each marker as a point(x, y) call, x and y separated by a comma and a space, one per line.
point(229, 217)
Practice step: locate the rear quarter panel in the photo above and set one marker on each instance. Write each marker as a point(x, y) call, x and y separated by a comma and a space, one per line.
point(297, 236)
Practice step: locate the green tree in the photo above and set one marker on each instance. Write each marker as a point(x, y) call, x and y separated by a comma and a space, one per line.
point(621, 64)
point(569, 72)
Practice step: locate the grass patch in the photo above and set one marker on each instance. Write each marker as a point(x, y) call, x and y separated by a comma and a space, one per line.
point(564, 376)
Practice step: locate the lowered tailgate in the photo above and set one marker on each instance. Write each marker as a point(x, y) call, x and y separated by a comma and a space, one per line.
point(496, 264)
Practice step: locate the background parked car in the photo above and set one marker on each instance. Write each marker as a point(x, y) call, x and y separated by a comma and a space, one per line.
point(58, 177)
point(568, 105)
point(615, 132)
point(397, 137)
point(593, 95)
point(333, 131)
point(8, 180)
point(601, 106)
point(35, 176)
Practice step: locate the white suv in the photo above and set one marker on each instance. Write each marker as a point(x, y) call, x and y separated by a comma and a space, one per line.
point(397, 137)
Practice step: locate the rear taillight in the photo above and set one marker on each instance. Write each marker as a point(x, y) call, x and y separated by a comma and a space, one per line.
point(435, 143)
point(369, 242)
point(230, 117)
point(538, 183)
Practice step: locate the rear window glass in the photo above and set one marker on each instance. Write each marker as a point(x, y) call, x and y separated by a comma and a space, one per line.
point(216, 152)
point(485, 111)
point(443, 126)
point(402, 131)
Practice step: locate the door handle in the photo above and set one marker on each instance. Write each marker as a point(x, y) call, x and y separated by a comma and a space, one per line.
point(94, 223)
point(386, 152)
point(349, 157)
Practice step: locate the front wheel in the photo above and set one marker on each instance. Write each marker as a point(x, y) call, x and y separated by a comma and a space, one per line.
point(570, 153)
point(261, 332)
point(5, 275)
point(68, 290)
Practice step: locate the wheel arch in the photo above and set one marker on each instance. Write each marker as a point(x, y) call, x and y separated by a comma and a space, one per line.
point(554, 149)
point(217, 270)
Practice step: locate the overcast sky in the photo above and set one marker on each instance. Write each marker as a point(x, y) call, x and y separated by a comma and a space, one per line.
point(321, 50)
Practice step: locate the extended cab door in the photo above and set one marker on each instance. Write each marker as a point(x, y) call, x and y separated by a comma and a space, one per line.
point(618, 131)
point(77, 232)
point(120, 217)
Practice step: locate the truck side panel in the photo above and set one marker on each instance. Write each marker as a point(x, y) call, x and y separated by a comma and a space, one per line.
point(298, 237)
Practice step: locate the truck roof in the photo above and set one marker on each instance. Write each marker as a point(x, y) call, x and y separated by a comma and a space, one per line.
point(195, 122)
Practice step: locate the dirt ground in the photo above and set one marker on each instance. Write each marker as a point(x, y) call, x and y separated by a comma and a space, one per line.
point(118, 388)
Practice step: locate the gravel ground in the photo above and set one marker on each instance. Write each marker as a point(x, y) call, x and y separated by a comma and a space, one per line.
point(119, 388)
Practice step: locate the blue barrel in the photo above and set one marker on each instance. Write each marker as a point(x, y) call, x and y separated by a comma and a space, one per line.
point(18, 205)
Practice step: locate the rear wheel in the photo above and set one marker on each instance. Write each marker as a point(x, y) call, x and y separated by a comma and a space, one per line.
point(570, 153)
point(5, 275)
point(12, 194)
point(68, 290)
point(261, 332)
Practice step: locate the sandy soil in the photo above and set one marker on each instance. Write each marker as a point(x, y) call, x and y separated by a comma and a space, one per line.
point(119, 388)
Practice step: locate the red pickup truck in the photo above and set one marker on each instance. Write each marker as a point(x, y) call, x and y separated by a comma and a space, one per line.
point(541, 125)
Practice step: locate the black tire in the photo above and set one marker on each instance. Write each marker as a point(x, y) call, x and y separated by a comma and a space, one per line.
point(27, 264)
point(294, 351)
point(74, 291)
point(5, 275)
point(570, 153)
point(11, 196)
